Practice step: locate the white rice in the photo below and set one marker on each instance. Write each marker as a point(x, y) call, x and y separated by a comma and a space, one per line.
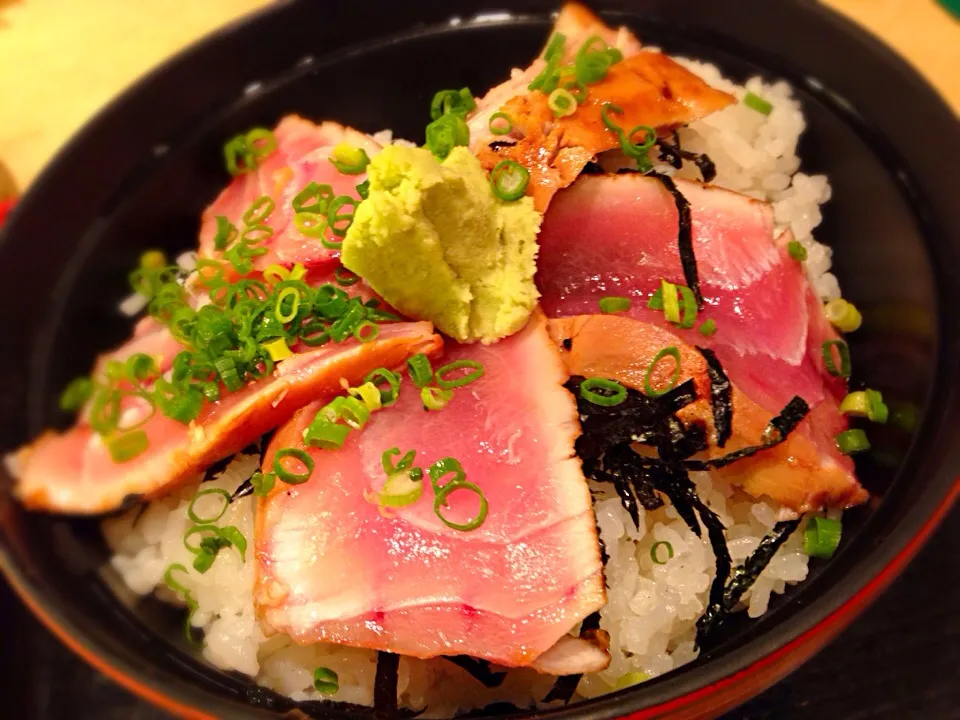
point(652, 609)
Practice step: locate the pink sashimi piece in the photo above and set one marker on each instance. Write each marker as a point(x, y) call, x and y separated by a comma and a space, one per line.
point(616, 235)
point(73, 471)
point(333, 567)
point(302, 156)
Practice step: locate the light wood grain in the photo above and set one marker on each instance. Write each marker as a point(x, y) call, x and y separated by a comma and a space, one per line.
point(61, 60)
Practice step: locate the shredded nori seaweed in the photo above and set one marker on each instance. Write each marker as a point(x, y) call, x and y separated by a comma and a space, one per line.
point(566, 685)
point(385, 686)
point(743, 577)
point(688, 259)
point(720, 396)
point(478, 669)
point(674, 155)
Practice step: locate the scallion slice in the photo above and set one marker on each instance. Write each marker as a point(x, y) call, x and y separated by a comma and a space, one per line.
point(509, 180)
point(127, 445)
point(614, 304)
point(671, 301)
point(865, 403)
point(843, 352)
point(310, 225)
point(369, 394)
point(344, 277)
point(366, 331)
point(500, 124)
point(288, 476)
point(821, 538)
point(656, 557)
point(226, 233)
point(797, 251)
point(442, 373)
point(277, 349)
point(349, 159)
point(259, 210)
point(314, 198)
point(843, 315)
point(406, 462)
point(562, 103)
point(447, 132)
point(402, 488)
point(325, 435)
point(853, 441)
point(219, 492)
point(434, 398)
point(445, 491)
point(76, 394)
point(707, 327)
point(671, 351)
point(421, 372)
point(382, 376)
point(325, 681)
point(600, 391)
point(262, 483)
point(755, 102)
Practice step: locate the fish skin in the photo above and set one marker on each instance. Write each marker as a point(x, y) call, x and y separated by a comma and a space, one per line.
point(332, 568)
point(72, 472)
point(302, 155)
point(651, 89)
point(616, 235)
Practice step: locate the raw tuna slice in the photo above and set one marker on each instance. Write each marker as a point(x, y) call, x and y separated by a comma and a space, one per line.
point(302, 156)
point(650, 88)
point(806, 472)
point(73, 472)
point(617, 236)
point(333, 567)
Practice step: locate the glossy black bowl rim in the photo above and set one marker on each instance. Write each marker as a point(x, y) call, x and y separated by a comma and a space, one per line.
point(935, 454)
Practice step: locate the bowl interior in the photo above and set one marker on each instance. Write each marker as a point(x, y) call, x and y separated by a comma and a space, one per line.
point(885, 255)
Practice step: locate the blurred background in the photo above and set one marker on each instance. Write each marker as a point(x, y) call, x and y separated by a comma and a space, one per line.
point(61, 60)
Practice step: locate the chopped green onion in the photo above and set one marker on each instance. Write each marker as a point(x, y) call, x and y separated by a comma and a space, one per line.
point(452, 101)
point(601, 391)
point(656, 300)
point(313, 199)
point(344, 277)
point(380, 376)
point(288, 476)
point(232, 534)
point(325, 435)
point(140, 367)
point(853, 441)
point(755, 102)
point(500, 124)
point(635, 677)
point(325, 681)
point(191, 512)
point(447, 132)
point(614, 304)
point(672, 351)
point(634, 150)
point(76, 394)
point(671, 301)
point(353, 412)
point(509, 180)
point(865, 403)
point(198, 530)
point(406, 462)
point(440, 500)
point(605, 111)
point(348, 159)
point(369, 394)
point(277, 349)
point(261, 142)
point(707, 327)
point(173, 584)
point(420, 370)
point(446, 384)
point(283, 314)
point(562, 103)
point(434, 398)
point(689, 304)
point(843, 315)
point(821, 538)
point(237, 156)
point(843, 351)
point(546, 81)
point(445, 466)
point(363, 189)
point(334, 217)
point(656, 546)
point(262, 483)
point(127, 446)
point(797, 251)
point(401, 489)
point(259, 210)
point(311, 225)
point(105, 410)
point(226, 233)
point(366, 331)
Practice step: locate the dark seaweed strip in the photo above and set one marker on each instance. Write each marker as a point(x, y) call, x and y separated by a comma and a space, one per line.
point(674, 155)
point(478, 669)
point(593, 168)
point(385, 686)
point(218, 467)
point(720, 396)
point(742, 579)
point(624, 491)
point(619, 460)
point(566, 685)
point(498, 145)
point(782, 425)
point(684, 238)
point(670, 480)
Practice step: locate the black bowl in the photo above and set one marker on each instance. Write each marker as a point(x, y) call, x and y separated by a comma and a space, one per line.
point(140, 174)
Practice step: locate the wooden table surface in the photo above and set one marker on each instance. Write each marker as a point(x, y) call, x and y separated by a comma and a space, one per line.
point(60, 60)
